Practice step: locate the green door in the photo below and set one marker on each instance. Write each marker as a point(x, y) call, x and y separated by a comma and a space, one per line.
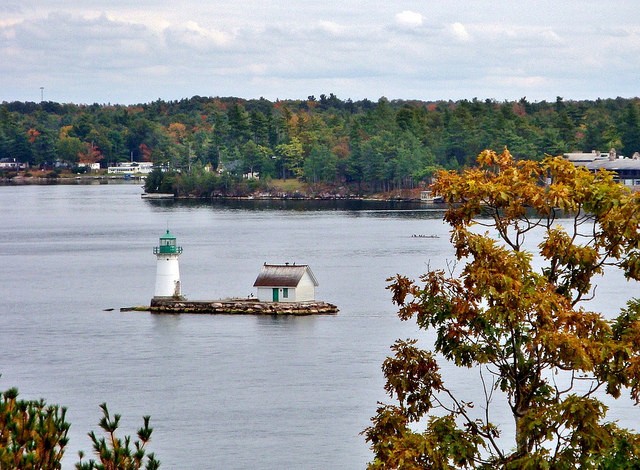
point(275, 294)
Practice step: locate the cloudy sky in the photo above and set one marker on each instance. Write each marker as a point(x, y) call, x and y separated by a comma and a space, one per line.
point(124, 51)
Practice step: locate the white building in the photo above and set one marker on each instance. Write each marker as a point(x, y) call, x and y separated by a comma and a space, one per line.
point(286, 283)
point(627, 170)
point(12, 164)
point(91, 166)
point(131, 168)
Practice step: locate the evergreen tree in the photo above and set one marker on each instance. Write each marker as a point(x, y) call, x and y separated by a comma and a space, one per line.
point(630, 130)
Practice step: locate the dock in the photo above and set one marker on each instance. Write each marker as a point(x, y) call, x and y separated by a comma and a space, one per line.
point(240, 307)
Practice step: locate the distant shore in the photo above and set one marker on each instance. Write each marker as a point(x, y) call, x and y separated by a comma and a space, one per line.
point(42, 177)
point(49, 178)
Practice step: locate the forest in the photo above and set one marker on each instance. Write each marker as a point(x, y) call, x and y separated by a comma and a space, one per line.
point(365, 146)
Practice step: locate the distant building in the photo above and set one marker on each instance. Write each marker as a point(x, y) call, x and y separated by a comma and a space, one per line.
point(585, 157)
point(91, 166)
point(428, 196)
point(131, 168)
point(12, 164)
point(627, 169)
point(286, 283)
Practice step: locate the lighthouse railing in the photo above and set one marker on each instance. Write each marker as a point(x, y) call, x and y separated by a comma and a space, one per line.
point(167, 249)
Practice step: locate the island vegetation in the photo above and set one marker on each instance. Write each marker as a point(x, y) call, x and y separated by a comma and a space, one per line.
point(515, 312)
point(214, 146)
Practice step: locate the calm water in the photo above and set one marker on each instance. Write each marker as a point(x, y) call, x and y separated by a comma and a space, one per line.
point(223, 392)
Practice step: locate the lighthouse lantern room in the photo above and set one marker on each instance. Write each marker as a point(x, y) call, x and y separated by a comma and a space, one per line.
point(167, 268)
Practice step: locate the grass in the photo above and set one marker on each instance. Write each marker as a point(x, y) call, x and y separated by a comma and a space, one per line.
point(291, 185)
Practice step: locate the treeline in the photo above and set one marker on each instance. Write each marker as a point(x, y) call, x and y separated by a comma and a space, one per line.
point(370, 146)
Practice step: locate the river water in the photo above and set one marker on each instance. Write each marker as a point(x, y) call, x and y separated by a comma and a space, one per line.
point(223, 392)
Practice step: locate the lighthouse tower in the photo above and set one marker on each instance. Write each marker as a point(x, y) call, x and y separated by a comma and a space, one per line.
point(168, 269)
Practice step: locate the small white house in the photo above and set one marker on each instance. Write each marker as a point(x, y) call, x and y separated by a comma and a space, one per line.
point(12, 164)
point(286, 283)
point(91, 166)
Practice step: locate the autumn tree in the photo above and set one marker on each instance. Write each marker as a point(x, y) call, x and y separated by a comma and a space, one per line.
point(529, 238)
point(90, 154)
point(378, 146)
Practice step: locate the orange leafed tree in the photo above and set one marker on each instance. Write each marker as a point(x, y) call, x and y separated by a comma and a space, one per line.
point(90, 154)
point(146, 152)
point(33, 135)
point(177, 131)
point(524, 329)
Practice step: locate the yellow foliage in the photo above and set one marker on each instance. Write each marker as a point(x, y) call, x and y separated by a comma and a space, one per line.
point(525, 324)
point(177, 131)
point(64, 131)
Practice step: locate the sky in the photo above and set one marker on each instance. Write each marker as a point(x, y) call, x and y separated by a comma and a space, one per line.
point(125, 52)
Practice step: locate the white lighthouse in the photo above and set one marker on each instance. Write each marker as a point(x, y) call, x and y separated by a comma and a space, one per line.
point(168, 269)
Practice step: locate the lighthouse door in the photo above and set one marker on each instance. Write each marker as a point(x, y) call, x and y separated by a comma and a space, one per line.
point(275, 294)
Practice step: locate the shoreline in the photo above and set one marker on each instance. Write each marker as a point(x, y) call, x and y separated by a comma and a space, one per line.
point(68, 179)
point(259, 196)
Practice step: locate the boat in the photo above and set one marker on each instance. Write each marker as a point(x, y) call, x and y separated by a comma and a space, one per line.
point(430, 198)
point(158, 196)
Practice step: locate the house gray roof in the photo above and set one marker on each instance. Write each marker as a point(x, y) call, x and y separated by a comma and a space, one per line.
point(626, 168)
point(283, 275)
point(615, 165)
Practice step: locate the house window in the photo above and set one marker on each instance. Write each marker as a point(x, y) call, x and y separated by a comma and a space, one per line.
point(285, 292)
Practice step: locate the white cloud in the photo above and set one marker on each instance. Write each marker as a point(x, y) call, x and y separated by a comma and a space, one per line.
point(191, 34)
point(550, 36)
point(154, 22)
point(409, 19)
point(8, 8)
point(510, 78)
point(459, 31)
point(331, 27)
